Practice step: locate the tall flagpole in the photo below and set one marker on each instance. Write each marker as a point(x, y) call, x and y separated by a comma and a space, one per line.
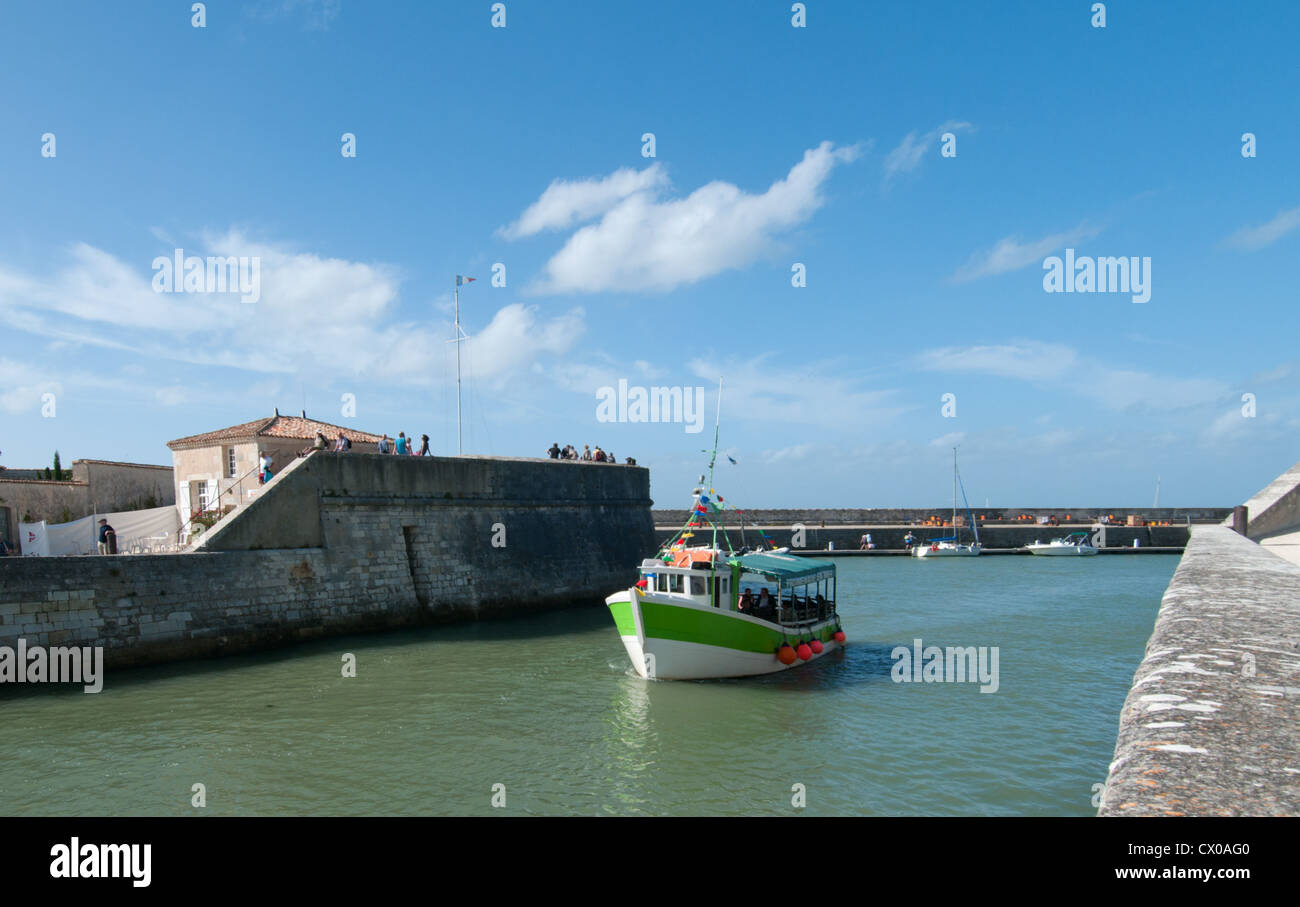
point(459, 448)
point(458, 339)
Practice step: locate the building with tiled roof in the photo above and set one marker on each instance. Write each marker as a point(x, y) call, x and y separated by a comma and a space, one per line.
point(219, 469)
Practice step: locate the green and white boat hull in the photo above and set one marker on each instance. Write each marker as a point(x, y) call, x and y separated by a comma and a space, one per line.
point(670, 639)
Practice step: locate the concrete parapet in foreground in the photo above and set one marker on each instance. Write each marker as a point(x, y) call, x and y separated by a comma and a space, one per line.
point(1210, 726)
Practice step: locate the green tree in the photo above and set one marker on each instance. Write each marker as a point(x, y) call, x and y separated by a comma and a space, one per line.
point(58, 468)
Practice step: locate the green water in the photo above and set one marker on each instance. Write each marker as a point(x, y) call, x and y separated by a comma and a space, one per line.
point(545, 706)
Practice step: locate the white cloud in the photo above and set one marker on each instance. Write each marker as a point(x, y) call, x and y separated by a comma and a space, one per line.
point(788, 454)
point(645, 243)
point(1027, 360)
point(565, 204)
point(1119, 388)
point(1254, 238)
point(1062, 368)
point(515, 331)
point(1274, 374)
point(1226, 425)
point(909, 153)
point(762, 389)
point(317, 315)
point(22, 386)
point(950, 440)
point(172, 396)
point(1011, 254)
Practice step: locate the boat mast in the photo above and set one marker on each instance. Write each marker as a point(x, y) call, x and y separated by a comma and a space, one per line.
point(956, 536)
point(713, 576)
point(717, 423)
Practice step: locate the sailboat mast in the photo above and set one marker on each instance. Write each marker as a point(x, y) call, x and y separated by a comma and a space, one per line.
point(955, 533)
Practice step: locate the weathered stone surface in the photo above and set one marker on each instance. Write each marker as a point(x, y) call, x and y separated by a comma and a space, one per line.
point(1211, 726)
point(402, 541)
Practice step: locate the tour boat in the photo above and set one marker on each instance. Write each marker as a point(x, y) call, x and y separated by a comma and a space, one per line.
point(1076, 544)
point(951, 546)
point(709, 611)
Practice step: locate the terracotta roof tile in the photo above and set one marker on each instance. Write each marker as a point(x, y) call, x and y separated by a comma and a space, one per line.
point(290, 427)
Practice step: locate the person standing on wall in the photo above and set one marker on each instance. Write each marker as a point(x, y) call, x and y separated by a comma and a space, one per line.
point(107, 538)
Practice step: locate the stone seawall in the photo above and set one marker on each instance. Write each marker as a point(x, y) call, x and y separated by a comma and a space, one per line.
point(346, 543)
point(1209, 725)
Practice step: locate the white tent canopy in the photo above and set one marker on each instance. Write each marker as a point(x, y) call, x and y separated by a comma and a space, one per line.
point(137, 531)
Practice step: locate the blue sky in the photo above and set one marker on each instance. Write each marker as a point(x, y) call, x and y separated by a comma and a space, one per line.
point(773, 145)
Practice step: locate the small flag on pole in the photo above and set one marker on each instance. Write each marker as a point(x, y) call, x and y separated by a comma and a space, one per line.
point(460, 281)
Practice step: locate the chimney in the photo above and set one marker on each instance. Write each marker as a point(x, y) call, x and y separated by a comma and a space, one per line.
point(277, 411)
point(304, 414)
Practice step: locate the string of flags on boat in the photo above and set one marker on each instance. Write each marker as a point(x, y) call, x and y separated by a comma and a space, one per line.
point(701, 509)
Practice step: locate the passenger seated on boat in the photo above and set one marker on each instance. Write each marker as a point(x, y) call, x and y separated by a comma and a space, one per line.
point(764, 600)
point(746, 602)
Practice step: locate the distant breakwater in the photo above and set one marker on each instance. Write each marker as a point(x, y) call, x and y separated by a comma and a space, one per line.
point(905, 516)
point(886, 538)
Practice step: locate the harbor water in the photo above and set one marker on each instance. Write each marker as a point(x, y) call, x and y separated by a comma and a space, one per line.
point(542, 714)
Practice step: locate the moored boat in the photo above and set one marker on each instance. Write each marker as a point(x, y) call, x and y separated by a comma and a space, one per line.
point(951, 546)
point(1076, 544)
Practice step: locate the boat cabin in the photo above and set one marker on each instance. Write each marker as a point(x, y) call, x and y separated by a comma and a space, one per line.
point(780, 588)
point(696, 581)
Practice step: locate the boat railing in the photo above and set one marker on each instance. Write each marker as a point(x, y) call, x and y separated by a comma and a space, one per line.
point(808, 611)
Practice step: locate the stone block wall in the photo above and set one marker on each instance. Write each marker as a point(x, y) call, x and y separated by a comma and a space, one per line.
point(397, 542)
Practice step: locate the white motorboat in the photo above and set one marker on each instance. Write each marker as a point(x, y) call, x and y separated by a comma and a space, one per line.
point(1076, 544)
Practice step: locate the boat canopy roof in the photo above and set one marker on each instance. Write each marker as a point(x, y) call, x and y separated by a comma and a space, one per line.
point(786, 568)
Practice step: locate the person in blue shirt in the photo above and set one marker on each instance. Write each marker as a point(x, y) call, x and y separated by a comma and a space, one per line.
point(401, 443)
point(107, 546)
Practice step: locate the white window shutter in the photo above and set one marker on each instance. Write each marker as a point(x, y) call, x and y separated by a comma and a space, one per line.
point(184, 499)
point(212, 495)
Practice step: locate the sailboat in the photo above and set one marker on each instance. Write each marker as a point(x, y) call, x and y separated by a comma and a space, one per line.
point(951, 546)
